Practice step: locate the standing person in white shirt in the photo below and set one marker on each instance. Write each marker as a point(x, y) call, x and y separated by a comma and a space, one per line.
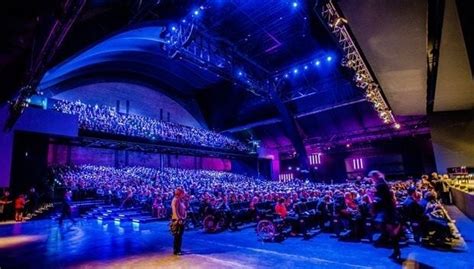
point(177, 219)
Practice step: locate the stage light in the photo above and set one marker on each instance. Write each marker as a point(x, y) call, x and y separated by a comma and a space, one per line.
point(183, 21)
point(295, 71)
point(289, 168)
point(305, 67)
point(297, 169)
point(348, 145)
point(240, 73)
point(329, 58)
point(295, 4)
point(317, 63)
point(286, 75)
point(173, 28)
point(397, 126)
point(196, 12)
point(338, 22)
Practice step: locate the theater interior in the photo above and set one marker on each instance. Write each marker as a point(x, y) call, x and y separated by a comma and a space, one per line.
point(254, 133)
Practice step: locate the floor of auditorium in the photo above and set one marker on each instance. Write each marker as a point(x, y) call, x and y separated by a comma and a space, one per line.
point(91, 244)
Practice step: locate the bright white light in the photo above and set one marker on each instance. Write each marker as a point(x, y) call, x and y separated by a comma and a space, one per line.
point(295, 4)
point(295, 71)
point(305, 67)
point(329, 58)
point(318, 63)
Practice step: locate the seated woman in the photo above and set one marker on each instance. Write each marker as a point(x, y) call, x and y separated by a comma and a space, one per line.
point(436, 219)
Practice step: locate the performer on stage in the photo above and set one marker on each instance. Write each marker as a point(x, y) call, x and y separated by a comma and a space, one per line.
point(177, 220)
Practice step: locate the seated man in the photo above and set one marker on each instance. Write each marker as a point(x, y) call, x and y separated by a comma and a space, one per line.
point(325, 207)
point(413, 211)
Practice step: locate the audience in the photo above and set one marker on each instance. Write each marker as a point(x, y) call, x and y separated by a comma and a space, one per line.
point(105, 119)
point(207, 191)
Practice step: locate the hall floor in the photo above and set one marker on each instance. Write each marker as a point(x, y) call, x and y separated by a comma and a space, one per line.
point(93, 244)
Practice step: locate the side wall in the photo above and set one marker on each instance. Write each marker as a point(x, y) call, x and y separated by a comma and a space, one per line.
point(32, 120)
point(453, 139)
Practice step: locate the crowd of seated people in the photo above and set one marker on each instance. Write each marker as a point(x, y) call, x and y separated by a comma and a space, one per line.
point(106, 119)
point(339, 208)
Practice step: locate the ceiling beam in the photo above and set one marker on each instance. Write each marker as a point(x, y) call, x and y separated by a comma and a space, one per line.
point(301, 115)
point(435, 26)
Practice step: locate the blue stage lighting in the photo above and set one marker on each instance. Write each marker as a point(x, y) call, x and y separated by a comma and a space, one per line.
point(183, 21)
point(329, 58)
point(317, 63)
point(295, 71)
point(295, 4)
point(240, 73)
point(286, 75)
point(305, 67)
point(196, 12)
point(173, 28)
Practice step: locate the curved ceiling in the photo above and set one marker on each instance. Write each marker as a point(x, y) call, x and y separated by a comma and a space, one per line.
point(131, 53)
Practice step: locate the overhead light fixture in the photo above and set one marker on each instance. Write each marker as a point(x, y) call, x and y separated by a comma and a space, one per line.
point(337, 22)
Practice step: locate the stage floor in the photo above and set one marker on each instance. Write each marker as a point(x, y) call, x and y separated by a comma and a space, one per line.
point(92, 244)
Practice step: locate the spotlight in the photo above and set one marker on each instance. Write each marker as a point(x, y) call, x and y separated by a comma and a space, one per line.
point(196, 12)
point(348, 145)
point(295, 71)
point(305, 67)
point(240, 73)
point(329, 58)
point(286, 75)
point(183, 21)
point(289, 168)
point(295, 4)
point(317, 63)
point(173, 28)
point(397, 126)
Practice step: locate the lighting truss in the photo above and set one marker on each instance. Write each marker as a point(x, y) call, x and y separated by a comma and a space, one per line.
point(304, 92)
point(353, 59)
point(188, 41)
point(413, 126)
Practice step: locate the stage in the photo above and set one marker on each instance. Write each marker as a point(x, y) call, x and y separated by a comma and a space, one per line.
point(93, 244)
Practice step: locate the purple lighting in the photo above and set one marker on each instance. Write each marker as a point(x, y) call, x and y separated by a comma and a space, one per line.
point(358, 164)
